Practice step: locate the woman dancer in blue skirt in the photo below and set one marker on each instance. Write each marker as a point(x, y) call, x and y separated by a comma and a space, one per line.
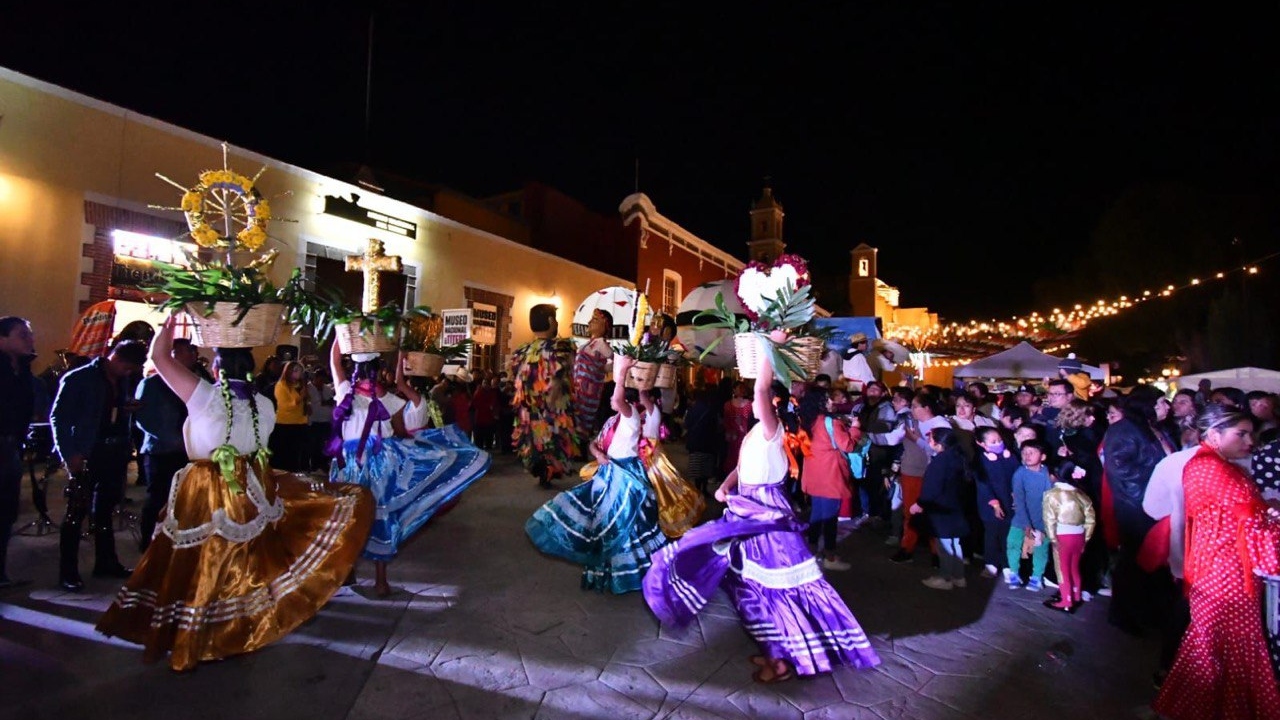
point(411, 475)
point(608, 524)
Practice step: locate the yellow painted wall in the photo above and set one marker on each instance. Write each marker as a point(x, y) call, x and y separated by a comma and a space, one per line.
point(58, 149)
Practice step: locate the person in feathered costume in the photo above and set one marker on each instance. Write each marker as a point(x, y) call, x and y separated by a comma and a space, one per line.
point(545, 435)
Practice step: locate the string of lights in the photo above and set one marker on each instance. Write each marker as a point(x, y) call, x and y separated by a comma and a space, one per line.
point(963, 339)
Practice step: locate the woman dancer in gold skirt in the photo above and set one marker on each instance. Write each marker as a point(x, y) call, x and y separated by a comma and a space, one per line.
point(244, 555)
point(680, 505)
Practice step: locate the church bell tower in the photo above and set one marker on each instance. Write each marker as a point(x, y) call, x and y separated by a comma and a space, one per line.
point(766, 229)
point(862, 281)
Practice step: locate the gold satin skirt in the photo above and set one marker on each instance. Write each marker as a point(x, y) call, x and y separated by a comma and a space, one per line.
point(215, 584)
point(680, 505)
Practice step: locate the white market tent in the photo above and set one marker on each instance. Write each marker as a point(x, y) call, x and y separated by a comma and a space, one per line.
point(1244, 378)
point(1021, 361)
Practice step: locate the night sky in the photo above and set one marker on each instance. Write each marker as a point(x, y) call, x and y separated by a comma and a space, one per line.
point(957, 142)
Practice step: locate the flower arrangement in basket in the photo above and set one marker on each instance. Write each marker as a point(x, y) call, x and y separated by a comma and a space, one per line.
point(424, 356)
point(655, 359)
point(777, 297)
point(224, 287)
point(370, 328)
point(324, 314)
point(228, 306)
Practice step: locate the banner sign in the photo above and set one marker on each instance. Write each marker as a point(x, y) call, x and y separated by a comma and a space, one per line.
point(457, 326)
point(484, 324)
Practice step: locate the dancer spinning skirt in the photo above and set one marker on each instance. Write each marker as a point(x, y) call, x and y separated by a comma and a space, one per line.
point(680, 505)
point(757, 553)
point(244, 555)
point(608, 524)
point(411, 477)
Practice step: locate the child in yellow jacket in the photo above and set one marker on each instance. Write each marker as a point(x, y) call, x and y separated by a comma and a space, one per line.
point(1069, 521)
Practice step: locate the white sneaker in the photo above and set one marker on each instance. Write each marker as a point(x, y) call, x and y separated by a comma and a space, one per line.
point(892, 540)
point(1050, 583)
point(959, 582)
point(837, 564)
point(1104, 592)
point(937, 583)
point(1085, 595)
point(989, 571)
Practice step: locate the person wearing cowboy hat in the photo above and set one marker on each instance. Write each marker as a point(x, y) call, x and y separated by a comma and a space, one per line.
point(856, 370)
point(460, 401)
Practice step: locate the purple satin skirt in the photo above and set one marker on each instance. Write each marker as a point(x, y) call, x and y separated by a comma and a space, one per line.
point(757, 553)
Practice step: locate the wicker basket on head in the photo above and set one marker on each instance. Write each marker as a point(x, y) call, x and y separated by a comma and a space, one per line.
point(808, 353)
point(666, 377)
point(422, 364)
point(260, 325)
point(642, 375)
point(374, 339)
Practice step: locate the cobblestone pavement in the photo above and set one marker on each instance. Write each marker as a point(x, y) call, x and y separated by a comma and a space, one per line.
point(483, 626)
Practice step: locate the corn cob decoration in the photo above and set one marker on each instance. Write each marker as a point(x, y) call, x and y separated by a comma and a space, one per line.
point(638, 326)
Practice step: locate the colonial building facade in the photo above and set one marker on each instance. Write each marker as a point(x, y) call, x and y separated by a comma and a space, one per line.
point(79, 223)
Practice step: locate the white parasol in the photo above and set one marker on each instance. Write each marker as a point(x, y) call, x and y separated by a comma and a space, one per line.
point(619, 302)
point(697, 339)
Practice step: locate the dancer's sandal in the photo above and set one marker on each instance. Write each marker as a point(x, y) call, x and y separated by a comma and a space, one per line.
point(774, 676)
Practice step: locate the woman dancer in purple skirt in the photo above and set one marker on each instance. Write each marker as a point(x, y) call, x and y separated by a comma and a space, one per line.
point(757, 553)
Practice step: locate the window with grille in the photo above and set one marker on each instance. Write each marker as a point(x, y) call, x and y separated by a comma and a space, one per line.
point(671, 296)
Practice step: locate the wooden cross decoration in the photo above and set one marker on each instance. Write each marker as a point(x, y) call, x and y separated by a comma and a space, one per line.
point(373, 261)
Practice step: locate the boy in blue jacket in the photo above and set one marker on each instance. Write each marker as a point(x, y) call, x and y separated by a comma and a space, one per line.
point(1026, 530)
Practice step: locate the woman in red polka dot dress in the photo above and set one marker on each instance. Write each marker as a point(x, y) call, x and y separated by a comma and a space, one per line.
point(1223, 669)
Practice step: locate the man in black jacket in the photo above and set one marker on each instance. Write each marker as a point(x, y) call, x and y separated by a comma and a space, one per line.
point(1131, 452)
point(160, 416)
point(17, 388)
point(91, 421)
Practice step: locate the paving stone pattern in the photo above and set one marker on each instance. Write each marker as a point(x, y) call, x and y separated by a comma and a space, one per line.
point(483, 626)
